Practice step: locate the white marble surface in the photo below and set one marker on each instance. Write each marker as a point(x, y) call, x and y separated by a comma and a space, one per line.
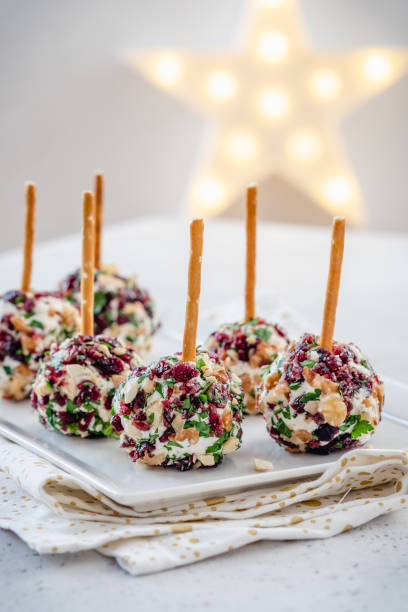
point(364, 569)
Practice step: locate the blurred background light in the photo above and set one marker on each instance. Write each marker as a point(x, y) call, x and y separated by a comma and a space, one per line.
point(338, 191)
point(304, 146)
point(325, 84)
point(221, 86)
point(274, 104)
point(209, 194)
point(168, 69)
point(272, 47)
point(241, 146)
point(377, 68)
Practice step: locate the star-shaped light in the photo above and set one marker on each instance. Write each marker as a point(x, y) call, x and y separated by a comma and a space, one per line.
point(275, 106)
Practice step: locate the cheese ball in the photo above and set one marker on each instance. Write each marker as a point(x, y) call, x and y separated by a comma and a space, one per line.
point(318, 401)
point(182, 414)
point(29, 324)
point(244, 348)
point(75, 384)
point(121, 308)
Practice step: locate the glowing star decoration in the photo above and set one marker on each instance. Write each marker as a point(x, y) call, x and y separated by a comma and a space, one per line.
point(275, 105)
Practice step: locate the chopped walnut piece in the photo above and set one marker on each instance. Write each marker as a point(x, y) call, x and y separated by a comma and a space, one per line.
point(308, 375)
point(157, 409)
point(177, 423)
point(155, 459)
point(190, 434)
point(246, 382)
point(207, 460)
point(262, 465)
point(227, 419)
point(303, 435)
point(333, 409)
point(250, 405)
point(23, 369)
point(118, 378)
point(378, 391)
point(221, 375)
point(112, 282)
point(70, 317)
point(28, 344)
point(20, 325)
point(327, 386)
point(279, 393)
point(271, 379)
point(230, 445)
point(18, 384)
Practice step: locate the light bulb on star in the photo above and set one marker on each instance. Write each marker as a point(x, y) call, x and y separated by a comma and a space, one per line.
point(240, 146)
point(274, 104)
point(168, 70)
point(325, 84)
point(377, 68)
point(304, 146)
point(272, 47)
point(221, 85)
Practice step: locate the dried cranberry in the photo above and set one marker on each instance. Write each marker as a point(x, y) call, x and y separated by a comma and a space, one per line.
point(326, 432)
point(166, 434)
point(60, 399)
point(333, 362)
point(184, 371)
point(85, 419)
point(280, 330)
point(88, 392)
point(142, 425)
point(163, 369)
point(214, 419)
point(108, 365)
point(125, 408)
point(116, 423)
point(66, 417)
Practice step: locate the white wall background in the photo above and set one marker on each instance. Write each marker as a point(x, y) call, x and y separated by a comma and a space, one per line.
point(68, 105)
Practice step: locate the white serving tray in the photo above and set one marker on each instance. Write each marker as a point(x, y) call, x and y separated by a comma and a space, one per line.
point(104, 465)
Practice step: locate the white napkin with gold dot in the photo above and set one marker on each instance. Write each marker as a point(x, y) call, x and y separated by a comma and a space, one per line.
point(56, 513)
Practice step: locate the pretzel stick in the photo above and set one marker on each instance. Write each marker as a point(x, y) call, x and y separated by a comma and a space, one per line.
point(30, 199)
point(87, 274)
point(251, 205)
point(99, 191)
point(333, 283)
point(193, 291)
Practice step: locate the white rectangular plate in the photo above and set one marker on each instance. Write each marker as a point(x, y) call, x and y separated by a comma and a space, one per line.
point(104, 465)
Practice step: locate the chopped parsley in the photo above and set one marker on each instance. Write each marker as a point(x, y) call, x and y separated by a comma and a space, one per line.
point(8, 370)
point(100, 301)
point(200, 363)
point(217, 446)
point(359, 426)
point(35, 323)
point(71, 407)
point(311, 396)
point(202, 427)
point(283, 429)
point(308, 363)
point(171, 443)
point(263, 333)
point(295, 386)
